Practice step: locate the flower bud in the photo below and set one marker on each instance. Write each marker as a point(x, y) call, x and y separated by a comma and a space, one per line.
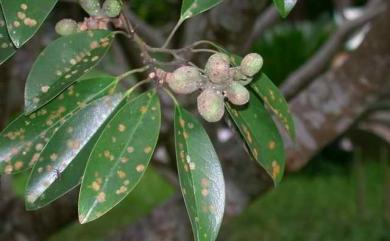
point(251, 64)
point(112, 8)
point(211, 105)
point(184, 80)
point(66, 27)
point(218, 68)
point(237, 94)
point(92, 7)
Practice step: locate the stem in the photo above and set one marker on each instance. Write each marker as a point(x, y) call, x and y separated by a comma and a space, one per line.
point(204, 51)
point(128, 92)
point(125, 75)
point(170, 94)
point(172, 33)
point(205, 42)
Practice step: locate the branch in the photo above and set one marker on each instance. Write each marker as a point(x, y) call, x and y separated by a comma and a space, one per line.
point(299, 79)
point(150, 34)
point(263, 21)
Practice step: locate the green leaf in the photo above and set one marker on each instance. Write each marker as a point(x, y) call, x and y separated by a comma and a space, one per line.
point(200, 175)
point(63, 159)
point(62, 63)
point(261, 136)
point(7, 48)
point(285, 6)
point(191, 8)
point(120, 157)
point(275, 100)
point(24, 139)
point(25, 17)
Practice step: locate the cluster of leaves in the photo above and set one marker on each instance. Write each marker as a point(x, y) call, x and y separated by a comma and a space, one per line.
point(86, 132)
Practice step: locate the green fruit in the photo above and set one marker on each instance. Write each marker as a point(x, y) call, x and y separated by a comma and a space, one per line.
point(92, 7)
point(184, 80)
point(112, 8)
point(211, 105)
point(237, 94)
point(251, 64)
point(218, 68)
point(66, 27)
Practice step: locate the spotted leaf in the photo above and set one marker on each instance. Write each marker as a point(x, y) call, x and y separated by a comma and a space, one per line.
point(24, 138)
point(200, 175)
point(7, 48)
point(24, 17)
point(285, 6)
point(62, 161)
point(62, 63)
point(120, 157)
point(261, 136)
point(191, 8)
point(275, 101)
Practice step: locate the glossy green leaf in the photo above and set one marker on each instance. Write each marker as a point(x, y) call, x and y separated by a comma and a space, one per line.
point(275, 101)
point(120, 157)
point(200, 175)
point(62, 63)
point(25, 17)
point(261, 136)
point(7, 48)
point(24, 138)
point(191, 8)
point(285, 6)
point(62, 161)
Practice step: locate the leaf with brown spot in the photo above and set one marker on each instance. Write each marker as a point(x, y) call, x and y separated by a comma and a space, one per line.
point(275, 100)
point(23, 139)
point(7, 48)
point(200, 175)
point(67, 162)
point(62, 63)
point(115, 167)
point(25, 17)
point(261, 136)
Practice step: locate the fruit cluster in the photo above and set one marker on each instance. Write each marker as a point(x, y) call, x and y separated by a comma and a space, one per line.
point(217, 81)
point(100, 15)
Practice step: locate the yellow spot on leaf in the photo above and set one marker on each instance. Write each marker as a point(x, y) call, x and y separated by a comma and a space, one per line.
point(101, 197)
point(121, 174)
point(140, 168)
point(148, 149)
